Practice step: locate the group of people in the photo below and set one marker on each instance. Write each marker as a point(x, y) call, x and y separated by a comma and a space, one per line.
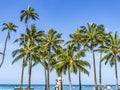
point(58, 83)
point(107, 88)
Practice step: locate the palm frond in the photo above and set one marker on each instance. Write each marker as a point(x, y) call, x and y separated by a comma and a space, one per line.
point(17, 58)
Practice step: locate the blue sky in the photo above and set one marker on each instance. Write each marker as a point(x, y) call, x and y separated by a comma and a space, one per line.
point(65, 16)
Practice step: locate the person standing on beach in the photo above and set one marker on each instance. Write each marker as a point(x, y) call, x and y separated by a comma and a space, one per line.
point(105, 88)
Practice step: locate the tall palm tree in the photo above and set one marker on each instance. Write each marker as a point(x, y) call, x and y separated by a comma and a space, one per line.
point(50, 42)
point(9, 27)
point(69, 62)
point(112, 50)
point(103, 37)
point(32, 36)
point(77, 41)
point(29, 51)
point(26, 15)
point(91, 40)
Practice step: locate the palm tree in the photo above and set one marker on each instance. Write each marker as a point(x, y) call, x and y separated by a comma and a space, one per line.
point(68, 62)
point(103, 37)
point(77, 41)
point(29, 51)
point(112, 50)
point(10, 27)
point(91, 40)
point(50, 42)
point(27, 14)
point(32, 36)
point(31, 55)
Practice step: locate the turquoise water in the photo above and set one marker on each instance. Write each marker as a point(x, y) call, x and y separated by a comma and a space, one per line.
point(52, 87)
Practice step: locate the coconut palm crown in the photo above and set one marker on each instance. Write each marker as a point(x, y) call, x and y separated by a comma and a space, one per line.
point(112, 53)
point(27, 14)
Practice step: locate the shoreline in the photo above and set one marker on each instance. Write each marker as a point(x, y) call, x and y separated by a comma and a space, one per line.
point(54, 84)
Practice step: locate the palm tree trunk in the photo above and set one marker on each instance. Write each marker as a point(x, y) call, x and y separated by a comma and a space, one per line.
point(100, 80)
point(45, 79)
point(48, 71)
point(61, 83)
point(48, 81)
point(48, 77)
point(116, 74)
point(21, 82)
point(69, 79)
point(94, 66)
point(29, 74)
point(3, 57)
point(80, 86)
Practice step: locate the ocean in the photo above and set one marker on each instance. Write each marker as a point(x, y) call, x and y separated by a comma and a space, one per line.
point(52, 87)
